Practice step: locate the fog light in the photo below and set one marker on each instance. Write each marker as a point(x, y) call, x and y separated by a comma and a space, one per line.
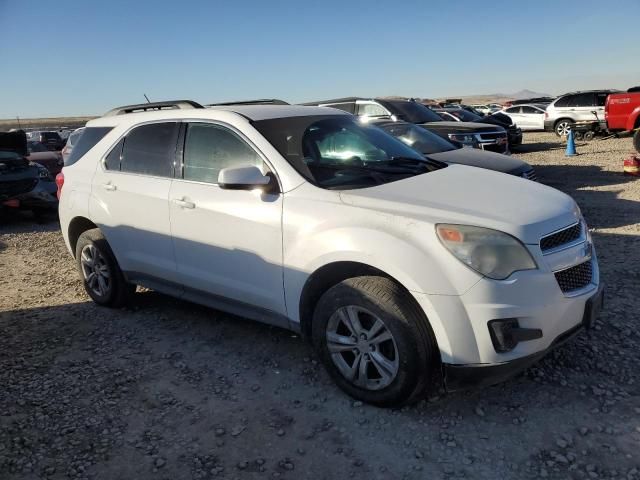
point(506, 334)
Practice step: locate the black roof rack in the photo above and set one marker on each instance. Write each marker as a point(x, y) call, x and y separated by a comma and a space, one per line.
point(260, 101)
point(145, 107)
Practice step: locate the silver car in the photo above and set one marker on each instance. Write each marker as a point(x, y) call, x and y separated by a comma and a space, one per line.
point(575, 107)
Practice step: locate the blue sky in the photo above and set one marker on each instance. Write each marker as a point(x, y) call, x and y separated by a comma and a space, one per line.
point(83, 57)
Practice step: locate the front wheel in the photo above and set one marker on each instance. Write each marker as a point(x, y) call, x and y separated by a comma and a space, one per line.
point(101, 276)
point(375, 341)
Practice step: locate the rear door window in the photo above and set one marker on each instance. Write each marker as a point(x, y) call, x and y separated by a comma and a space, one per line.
point(582, 100)
point(601, 98)
point(89, 138)
point(564, 101)
point(530, 110)
point(150, 149)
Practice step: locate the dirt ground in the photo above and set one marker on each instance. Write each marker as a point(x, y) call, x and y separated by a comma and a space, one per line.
point(169, 390)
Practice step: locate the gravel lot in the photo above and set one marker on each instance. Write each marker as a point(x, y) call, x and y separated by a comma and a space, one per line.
point(169, 390)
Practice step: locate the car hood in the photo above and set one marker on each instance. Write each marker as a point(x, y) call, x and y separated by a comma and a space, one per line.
point(461, 195)
point(460, 127)
point(475, 157)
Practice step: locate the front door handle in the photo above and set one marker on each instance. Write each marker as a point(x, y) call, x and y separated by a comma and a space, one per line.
point(109, 186)
point(184, 203)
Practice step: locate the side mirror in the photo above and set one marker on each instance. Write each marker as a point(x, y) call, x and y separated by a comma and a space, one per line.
point(242, 178)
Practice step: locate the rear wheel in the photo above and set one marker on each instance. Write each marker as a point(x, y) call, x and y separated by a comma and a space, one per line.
point(102, 278)
point(562, 127)
point(636, 140)
point(589, 135)
point(375, 341)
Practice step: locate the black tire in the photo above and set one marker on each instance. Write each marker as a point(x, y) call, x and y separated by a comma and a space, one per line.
point(589, 136)
point(118, 289)
point(558, 127)
point(412, 337)
point(636, 140)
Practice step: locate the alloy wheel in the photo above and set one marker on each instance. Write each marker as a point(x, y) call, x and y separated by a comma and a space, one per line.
point(95, 270)
point(563, 129)
point(362, 347)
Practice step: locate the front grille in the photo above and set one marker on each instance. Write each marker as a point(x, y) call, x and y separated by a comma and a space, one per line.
point(575, 278)
point(530, 175)
point(562, 237)
point(16, 187)
point(493, 135)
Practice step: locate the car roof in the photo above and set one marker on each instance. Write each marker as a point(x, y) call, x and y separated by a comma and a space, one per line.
point(608, 90)
point(248, 112)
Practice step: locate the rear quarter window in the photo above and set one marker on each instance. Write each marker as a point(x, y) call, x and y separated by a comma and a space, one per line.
point(86, 142)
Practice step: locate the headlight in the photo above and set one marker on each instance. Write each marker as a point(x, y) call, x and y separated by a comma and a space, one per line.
point(489, 252)
point(463, 138)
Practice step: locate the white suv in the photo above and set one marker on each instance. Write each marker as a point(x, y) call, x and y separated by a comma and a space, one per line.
point(399, 269)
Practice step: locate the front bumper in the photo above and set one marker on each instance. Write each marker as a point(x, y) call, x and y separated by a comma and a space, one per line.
point(462, 377)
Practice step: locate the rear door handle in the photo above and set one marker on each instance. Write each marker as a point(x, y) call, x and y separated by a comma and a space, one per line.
point(184, 203)
point(109, 186)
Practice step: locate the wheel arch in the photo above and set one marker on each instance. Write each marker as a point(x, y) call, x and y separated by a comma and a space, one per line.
point(77, 226)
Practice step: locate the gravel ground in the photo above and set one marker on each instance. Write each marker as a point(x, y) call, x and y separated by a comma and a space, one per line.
point(169, 390)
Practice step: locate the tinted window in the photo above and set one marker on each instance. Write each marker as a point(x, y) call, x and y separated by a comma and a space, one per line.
point(601, 99)
point(112, 160)
point(86, 142)
point(210, 148)
point(465, 116)
point(581, 100)
point(564, 101)
point(347, 107)
point(413, 112)
point(530, 110)
point(513, 110)
point(150, 149)
point(50, 135)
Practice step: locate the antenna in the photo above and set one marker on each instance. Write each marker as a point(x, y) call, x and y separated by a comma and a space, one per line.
point(18, 118)
point(145, 96)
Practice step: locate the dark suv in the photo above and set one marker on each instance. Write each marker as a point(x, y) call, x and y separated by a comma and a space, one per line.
point(469, 134)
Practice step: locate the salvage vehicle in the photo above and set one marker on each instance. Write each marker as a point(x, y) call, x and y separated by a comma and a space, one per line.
point(38, 153)
point(51, 140)
point(24, 185)
point(527, 116)
point(574, 107)
point(401, 270)
point(437, 148)
point(514, 132)
point(622, 113)
point(470, 134)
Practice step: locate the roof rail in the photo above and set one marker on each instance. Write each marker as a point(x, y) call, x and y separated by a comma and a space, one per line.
point(260, 101)
point(145, 107)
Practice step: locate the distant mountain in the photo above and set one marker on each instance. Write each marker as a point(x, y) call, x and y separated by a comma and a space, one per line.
point(520, 95)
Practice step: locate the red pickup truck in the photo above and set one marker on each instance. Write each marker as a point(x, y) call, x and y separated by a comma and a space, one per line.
point(622, 113)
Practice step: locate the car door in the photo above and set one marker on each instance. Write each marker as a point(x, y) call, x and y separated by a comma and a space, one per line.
point(582, 106)
point(130, 200)
point(228, 243)
point(534, 117)
point(516, 116)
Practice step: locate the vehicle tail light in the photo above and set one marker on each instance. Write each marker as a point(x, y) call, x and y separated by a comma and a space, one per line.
point(546, 115)
point(59, 184)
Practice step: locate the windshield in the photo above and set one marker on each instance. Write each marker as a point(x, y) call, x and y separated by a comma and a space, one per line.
point(465, 116)
point(336, 152)
point(418, 138)
point(412, 112)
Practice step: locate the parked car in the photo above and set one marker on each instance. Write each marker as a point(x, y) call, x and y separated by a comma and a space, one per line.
point(514, 133)
point(576, 106)
point(398, 268)
point(437, 148)
point(24, 185)
point(51, 139)
point(622, 113)
point(469, 134)
point(527, 117)
point(485, 109)
point(38, 153)
point(71, 140)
